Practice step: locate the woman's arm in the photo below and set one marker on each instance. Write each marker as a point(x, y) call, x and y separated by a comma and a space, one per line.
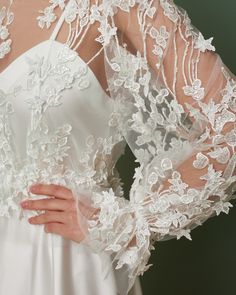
point(176, 109)
point(193, 74)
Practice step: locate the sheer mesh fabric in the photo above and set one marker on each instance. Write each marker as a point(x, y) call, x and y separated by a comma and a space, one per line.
point(175, 106)
point(28, 30)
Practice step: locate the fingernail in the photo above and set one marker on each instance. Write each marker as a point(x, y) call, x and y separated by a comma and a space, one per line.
point(24, 204)
point(33, 188)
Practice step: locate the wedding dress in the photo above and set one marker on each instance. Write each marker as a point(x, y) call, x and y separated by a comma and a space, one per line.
point(169, 97)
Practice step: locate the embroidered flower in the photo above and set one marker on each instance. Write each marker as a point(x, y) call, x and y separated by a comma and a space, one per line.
point(160, 205)
point(8, 16)
point(161, 96)
point(210, 109)
point(47, 18)
point(222, 155)
point(5, 47)
point(203, 44)
point(189, 28)
point(60, 3)
point(201, 161)
point(4, 33)
point(95, 14)
point(222, 207)
point(170, 10)
point(106, 33)
point(160, 36)
point(229, 94)
point(222, 118)
point(185, 233)
point(196, 91)
point(71, 13)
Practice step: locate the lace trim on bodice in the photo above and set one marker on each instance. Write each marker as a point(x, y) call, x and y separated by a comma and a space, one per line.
point(47, 149)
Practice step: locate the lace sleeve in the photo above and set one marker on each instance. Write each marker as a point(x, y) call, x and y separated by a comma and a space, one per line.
point(176, 103)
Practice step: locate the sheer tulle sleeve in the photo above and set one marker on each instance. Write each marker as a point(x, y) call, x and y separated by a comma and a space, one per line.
point(175, 104)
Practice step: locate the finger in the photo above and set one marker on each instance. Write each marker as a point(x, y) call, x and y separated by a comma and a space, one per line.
point(49, 204)
point(51, 189)
point(49, 217)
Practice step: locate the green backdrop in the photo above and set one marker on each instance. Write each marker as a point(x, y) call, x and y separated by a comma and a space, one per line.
point(207, 264)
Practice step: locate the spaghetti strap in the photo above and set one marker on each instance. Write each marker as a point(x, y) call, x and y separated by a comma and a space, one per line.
point(59, 22)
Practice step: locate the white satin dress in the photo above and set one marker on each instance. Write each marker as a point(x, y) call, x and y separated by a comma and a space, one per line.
point(33, 148)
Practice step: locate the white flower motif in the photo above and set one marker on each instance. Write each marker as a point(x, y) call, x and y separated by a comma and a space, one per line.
point(201, 161)
point(5, 47)
point(212, 176)
point(222, 207)
point(128, 257)
point(153, 178)
point(47, 18)
point(170, 10)
point(106, 33)
point(189, 197)
point(196, 91)
point(162, 95)
point(161, 38)
point(222, 118)
point(60, 3)
point(177, 107)
point(71, 13)
point(222, 155)
point(166, 164)
point(95, 14)
point(4, 33)
point(210, 109)
point(184, 232)
point(229, 94)
point(203, 44)
point(189, 28)
point(230, 138)
point(161, 205)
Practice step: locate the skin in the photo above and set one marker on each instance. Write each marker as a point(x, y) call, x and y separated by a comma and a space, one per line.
point(60, 215)
point(60, 208)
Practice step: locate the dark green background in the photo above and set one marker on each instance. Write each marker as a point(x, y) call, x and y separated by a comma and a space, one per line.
point(207, 264)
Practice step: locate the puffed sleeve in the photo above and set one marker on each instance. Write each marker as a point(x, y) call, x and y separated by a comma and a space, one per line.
point(175, 103)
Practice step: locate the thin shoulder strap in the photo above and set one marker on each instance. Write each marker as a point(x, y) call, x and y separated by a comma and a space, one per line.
point(59, 22)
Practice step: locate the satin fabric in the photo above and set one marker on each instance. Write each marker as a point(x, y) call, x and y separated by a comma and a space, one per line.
point(33, 262)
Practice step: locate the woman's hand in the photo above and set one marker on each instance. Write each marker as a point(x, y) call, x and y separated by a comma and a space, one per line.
point(60, 215)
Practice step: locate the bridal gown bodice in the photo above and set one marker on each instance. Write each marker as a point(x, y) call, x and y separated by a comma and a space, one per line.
point(56, 122)
point(66, 142)
point(51, 107)
point(55, 127)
